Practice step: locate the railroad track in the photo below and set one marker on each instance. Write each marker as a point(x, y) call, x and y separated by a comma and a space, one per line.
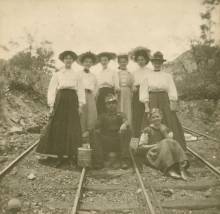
point(146, 192)
point(144, 206)
point(155, 193)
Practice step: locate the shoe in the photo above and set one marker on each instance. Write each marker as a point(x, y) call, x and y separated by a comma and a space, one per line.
point(97, 166)
point(124, 165)
point(174, 174)
point(115, 165)
point(184, 175)
point(59, 162)
point(72, 163)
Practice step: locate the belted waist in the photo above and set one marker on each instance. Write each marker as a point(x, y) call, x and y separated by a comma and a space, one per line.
point(67, 89)
point(157, 90)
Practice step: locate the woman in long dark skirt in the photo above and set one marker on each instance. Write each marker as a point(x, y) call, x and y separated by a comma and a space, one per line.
point(141, 56)
point(108, 82)
point(66, 96)
point(158, 90)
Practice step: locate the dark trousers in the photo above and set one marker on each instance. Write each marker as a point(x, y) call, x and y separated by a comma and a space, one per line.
point(103, 143)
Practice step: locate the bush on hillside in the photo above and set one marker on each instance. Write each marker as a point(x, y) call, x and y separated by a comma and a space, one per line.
point(30, 72)
point(205, 82)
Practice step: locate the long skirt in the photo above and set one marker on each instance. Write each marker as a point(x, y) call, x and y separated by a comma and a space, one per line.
point(62, 135)
point(138, 114)
point(125, 103)
point(102, 93)
point(167, 153)
point(161, 100)
point(89, 112)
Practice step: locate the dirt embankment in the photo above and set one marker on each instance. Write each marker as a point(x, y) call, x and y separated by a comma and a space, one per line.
point(23, 115)
point(201, 115)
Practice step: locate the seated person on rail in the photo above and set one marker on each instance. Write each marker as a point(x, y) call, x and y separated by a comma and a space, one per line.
point(157, 149)
point(111, 137)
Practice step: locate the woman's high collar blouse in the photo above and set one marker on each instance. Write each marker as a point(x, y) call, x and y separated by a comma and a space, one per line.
point(65, 79)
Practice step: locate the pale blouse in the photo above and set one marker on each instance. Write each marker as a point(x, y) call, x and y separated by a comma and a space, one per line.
point(65, 79)
point(89, 81)
point(140, 74)
point(158, 81)
point(107, 78)
point(126, 79)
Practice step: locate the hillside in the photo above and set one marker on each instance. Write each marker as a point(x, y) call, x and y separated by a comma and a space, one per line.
point(182, 65)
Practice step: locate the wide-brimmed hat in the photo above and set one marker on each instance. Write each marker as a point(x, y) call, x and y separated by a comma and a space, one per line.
point(158, 56)
point(109, 55)
point(85, 55)
point(66, 53)
point(140, 51)
point(123, 56)
point(110, 98)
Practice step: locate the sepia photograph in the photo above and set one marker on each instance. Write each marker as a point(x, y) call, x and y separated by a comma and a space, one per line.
point(110, 107)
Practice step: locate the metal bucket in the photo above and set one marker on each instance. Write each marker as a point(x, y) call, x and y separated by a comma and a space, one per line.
point(84, 156)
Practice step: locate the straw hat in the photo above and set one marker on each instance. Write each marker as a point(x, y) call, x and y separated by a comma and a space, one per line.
point(85, 55)
point(66, 53)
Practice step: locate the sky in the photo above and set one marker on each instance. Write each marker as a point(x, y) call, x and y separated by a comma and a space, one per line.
point(101, 25)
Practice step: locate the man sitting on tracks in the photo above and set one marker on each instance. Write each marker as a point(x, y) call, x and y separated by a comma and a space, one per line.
point(112, 136)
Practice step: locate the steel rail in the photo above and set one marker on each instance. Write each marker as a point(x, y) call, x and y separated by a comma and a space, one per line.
point(201, 134)
point(209, 165)
point(147, 197)
point(16, 160)
point(78, 192)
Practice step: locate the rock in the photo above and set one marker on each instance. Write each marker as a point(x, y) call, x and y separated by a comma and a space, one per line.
point(139, 191)
point(168, 192)
point(31, 176)
point(16, 130)
point(3, 145)
point(14, 205)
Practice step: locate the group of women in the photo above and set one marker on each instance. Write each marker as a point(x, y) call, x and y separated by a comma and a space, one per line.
point(77, 98)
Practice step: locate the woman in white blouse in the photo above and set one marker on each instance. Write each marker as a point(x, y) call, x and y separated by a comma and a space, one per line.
point(89, 81)
point(65, 99)
point(141, 56)
point(158, 90)
point(108, 82)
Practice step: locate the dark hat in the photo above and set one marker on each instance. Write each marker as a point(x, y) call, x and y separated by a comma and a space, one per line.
point(85, 55)
point(123, 56)
point(109, 55)
point(158, 56)
point(66, 53)
point(110, 98)
point(155, 111)
point(140, 51)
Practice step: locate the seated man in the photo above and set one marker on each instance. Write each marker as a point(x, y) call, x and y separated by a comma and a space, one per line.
point(112, 135)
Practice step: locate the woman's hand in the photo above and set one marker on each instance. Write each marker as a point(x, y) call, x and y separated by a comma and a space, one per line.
point(173, 105)
point(124, 126)
point(80, 110)
point(147, 108)
point(50, 112)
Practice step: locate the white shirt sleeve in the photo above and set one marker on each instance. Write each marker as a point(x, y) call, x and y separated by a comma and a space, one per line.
point(52, 90)
point(80, 91)
point(172, 92)
point(143, 139)
point(144, 91)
